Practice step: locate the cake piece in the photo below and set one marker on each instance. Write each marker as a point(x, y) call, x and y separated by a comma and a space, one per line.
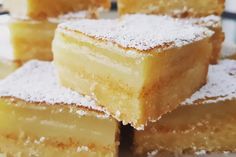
point(32, 39)
point(38, 117)
point(133, 66)
point(228, 51)
point(177, 8)
point(43, 9)
point(213, 23)
point(204, 122)
point(7, 67)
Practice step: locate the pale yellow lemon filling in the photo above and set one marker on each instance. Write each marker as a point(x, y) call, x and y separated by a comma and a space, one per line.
point(32, 39)
point(209, 127)
point(59, 126)
point(173, 7)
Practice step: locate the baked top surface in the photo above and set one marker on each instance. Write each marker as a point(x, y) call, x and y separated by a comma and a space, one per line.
point(36, 82)
point(139, 31)
point(221, 84)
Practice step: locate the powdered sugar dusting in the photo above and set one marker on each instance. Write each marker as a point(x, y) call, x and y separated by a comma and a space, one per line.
point(139, 31)
point(221, 84)
point(73, 16)
point(36, 81)
point(211, 21)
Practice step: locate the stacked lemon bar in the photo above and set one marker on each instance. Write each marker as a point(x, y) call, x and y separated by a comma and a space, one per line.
point(203, 123)
point(38, 117)
point(206, 13)
point(32, 39)
point(133, 66)
point(33, 23)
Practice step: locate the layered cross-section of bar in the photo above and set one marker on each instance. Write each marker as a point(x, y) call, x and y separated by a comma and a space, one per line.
point(205, 13)
point(32, 39)
point(177, 8)
point(43, 9)
point(204, 122)
point(213, 23)
point(134, 66)
point(38, 117)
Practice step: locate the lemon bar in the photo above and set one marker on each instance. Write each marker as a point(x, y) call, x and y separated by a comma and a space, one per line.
point(133, 66)
point(228, 51)
point(213, 23)
point(177, 8)
point(43, 9)
point(38, 117)
point(32, 39)
point(204, 122)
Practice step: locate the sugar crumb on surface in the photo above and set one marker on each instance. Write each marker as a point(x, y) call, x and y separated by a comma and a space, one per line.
point(200, 152)
point(152, 153)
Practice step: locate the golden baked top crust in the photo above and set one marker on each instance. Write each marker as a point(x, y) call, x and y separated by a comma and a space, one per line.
point(221, 85)
point(36, 82)
point(139, 31)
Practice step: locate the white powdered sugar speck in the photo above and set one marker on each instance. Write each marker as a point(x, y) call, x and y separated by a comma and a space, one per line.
point(73, 16)
point(139, 31)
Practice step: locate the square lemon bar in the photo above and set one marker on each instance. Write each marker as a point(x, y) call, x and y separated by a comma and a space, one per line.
point(32, 39)
point(42, 9)
point(135, 66)
point(203, 123)
point(177, 8)
point(213, 23)
point(38, 117)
